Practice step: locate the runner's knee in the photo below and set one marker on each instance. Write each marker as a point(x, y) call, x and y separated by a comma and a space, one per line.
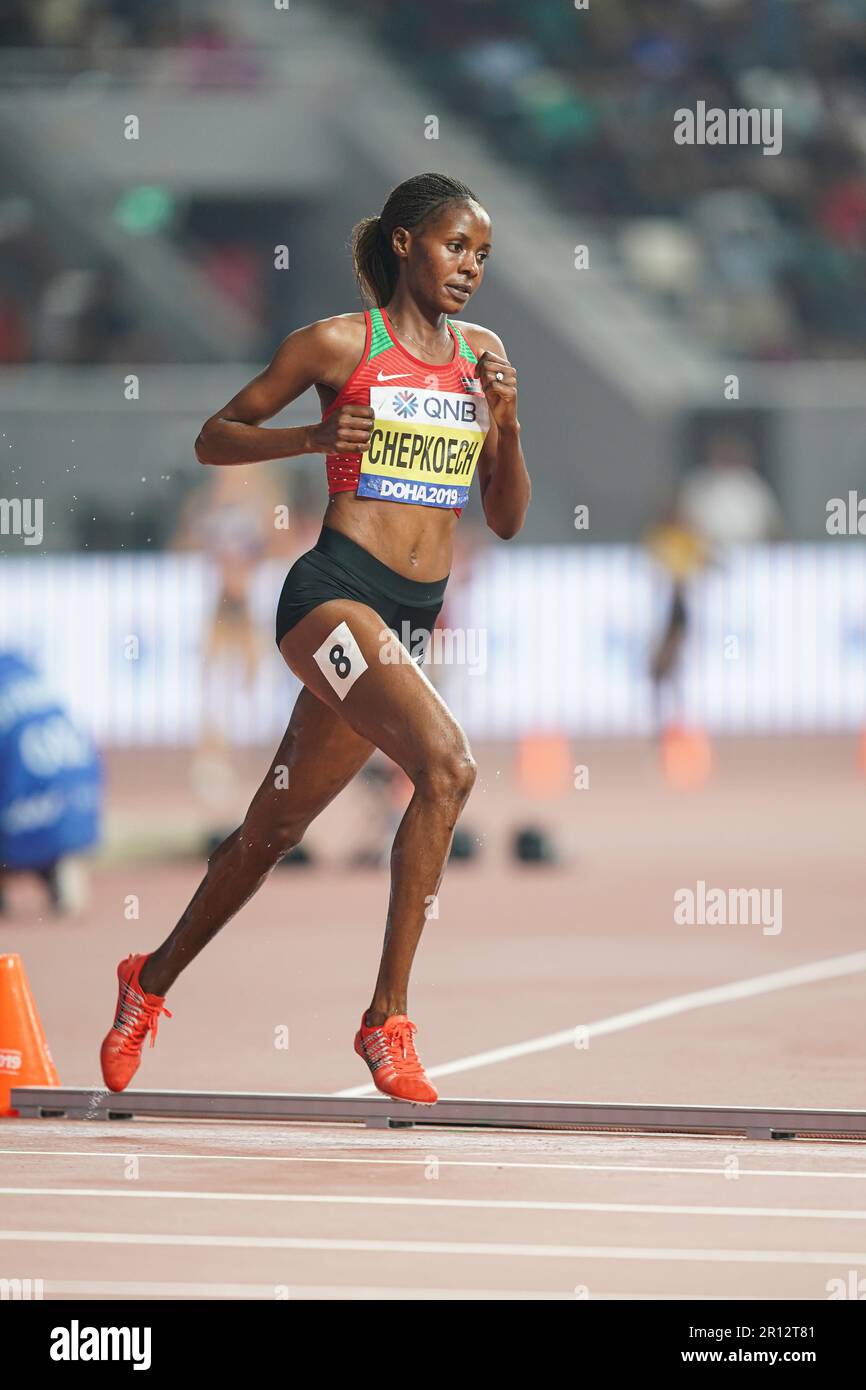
point(265, 843)
point(449, 775)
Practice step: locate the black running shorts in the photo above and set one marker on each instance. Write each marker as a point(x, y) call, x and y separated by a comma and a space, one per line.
point(338, 567)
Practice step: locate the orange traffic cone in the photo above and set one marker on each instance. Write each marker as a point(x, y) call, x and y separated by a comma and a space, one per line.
point(686, 757)
point(544, 765)
point(24, 1056)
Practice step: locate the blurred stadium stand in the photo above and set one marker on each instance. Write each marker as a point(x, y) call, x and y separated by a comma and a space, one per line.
point(156, 256)
point(761, 253)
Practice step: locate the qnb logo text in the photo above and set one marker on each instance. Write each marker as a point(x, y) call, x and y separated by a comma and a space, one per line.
point(450, 409)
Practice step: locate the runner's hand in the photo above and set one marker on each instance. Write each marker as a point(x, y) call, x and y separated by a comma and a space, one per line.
point(346, 431)
point(501, 395)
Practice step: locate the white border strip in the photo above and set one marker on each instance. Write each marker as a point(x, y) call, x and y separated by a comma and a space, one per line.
point(463, 1203)
point(371, 1160)
point(847, 1258)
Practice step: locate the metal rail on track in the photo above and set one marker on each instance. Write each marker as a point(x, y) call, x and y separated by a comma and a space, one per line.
point(78, 1103)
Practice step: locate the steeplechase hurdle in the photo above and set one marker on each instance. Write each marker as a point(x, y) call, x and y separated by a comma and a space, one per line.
point(73, 1103)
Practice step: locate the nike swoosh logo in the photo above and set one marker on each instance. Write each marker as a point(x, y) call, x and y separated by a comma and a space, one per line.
point(393, 377)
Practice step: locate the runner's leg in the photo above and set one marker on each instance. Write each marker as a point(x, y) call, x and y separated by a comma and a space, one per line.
point(319, 755)
point(337, 651)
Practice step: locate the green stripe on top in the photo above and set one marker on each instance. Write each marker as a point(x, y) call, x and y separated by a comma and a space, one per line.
point(380, 338)
point(465, 349)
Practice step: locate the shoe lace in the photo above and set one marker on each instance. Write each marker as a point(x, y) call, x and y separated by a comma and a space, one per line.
point(135, 1018)
point(402, 1044)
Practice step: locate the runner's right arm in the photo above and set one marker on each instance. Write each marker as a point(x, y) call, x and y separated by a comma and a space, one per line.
point(315, 355)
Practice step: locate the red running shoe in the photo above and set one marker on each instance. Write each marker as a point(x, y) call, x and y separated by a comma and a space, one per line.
point(137, 1015)
point(389, 1051)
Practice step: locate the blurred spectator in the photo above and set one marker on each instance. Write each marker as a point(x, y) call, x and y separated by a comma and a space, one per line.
point(53, 310)
point(232, 520)
point(724, 501)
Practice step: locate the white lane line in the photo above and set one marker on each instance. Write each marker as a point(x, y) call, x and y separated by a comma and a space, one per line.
point(718, 1171)
point(464, 1203)
point(154, 1289)
point(828, 969)
point(442, 1247)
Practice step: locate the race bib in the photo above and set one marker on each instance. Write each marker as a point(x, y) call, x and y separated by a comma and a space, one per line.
point(424, 446)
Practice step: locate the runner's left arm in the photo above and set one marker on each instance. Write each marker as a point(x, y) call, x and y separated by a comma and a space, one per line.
point(502, 475)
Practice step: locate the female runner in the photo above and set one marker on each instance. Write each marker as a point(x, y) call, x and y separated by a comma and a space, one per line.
point(412, 406)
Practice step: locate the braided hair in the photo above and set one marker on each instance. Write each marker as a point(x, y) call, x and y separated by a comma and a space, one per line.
point(408, 205)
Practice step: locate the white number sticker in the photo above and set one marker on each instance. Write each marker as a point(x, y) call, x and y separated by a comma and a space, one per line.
point(339, 659)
